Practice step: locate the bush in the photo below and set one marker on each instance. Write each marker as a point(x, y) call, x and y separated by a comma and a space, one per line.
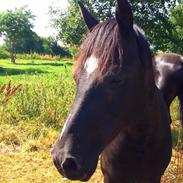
point(36, 56)
point(4, 54)
point(66, 52)
point(73, 50)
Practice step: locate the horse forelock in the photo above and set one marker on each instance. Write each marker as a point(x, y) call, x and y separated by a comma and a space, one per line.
point(103, 44)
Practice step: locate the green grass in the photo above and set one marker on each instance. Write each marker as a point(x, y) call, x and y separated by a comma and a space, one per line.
point(25, 69)
point(32, 115)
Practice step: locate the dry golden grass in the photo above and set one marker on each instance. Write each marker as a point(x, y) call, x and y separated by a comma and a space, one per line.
point(25, 156)
point(27, 159)
point(174, 173)
point(37, 167)
point(34, 167)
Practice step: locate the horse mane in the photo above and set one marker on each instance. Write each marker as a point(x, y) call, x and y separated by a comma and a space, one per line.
point(104, 44)
point(145, 56)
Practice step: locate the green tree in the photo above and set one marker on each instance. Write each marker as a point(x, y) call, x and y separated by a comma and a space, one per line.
point(27, 44)
point(158, 18)
point(70, 24)
point(154, 17)
point(15, 25)
point(176, 18)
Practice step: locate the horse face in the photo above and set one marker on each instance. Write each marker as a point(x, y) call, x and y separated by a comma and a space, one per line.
point(97, 115)
point(101, 106)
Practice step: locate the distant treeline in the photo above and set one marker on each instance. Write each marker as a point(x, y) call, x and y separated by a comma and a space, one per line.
point(16, 27)
point(35, 44)
point(32, 56)
point(162, 21)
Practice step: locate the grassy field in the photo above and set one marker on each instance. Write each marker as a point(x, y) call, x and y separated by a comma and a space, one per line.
point(35, 97)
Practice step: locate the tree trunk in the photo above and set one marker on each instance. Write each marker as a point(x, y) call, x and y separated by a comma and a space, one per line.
point(12, 51)
point(13, 58)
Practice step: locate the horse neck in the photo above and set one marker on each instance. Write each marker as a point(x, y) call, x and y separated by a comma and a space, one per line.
point(144, 137)
point(152, 116)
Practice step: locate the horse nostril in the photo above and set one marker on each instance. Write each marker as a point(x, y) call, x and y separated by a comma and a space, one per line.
point(70, 165)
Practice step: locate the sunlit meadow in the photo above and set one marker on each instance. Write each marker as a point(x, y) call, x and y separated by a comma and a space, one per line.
point(35, 97)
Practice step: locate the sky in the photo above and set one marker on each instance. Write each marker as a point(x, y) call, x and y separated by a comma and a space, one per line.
point(40, 9)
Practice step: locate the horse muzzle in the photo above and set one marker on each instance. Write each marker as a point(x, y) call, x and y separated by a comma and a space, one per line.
point(72, 167)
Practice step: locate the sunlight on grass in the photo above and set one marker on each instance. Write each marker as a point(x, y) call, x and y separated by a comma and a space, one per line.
point(29, 160)
point(33, 167)
point(32, 118)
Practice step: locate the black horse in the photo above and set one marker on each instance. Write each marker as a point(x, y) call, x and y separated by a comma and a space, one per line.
point(169, 77)
point(118, 112)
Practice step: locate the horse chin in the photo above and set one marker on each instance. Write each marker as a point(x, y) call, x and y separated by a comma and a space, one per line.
point(84, 178)
point(89, 173)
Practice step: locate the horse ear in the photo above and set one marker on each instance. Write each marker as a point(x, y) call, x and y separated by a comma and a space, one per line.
point(88, 18)
point(124, 16)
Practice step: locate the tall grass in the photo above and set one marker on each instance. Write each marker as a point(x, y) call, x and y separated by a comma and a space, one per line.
point(43, 99)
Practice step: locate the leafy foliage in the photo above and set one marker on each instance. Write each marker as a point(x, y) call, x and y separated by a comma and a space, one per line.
point(68, 23)
point(161, 21)
point(32, 43)
point(176, 19)
point(50, 46)
point(154, 17)
point(4, 53)
point(15, 25)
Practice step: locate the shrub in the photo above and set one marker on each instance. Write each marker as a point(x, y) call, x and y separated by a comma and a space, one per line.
point(36, 56)
point(4, 54)
point(73, 50)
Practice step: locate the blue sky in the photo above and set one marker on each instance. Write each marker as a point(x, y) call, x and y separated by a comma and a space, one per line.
point(39, 9)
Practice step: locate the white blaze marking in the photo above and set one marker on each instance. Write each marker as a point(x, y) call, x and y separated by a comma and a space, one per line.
point(65, 125)
point(159, 82)
point(91, 64)
point(162, 64)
